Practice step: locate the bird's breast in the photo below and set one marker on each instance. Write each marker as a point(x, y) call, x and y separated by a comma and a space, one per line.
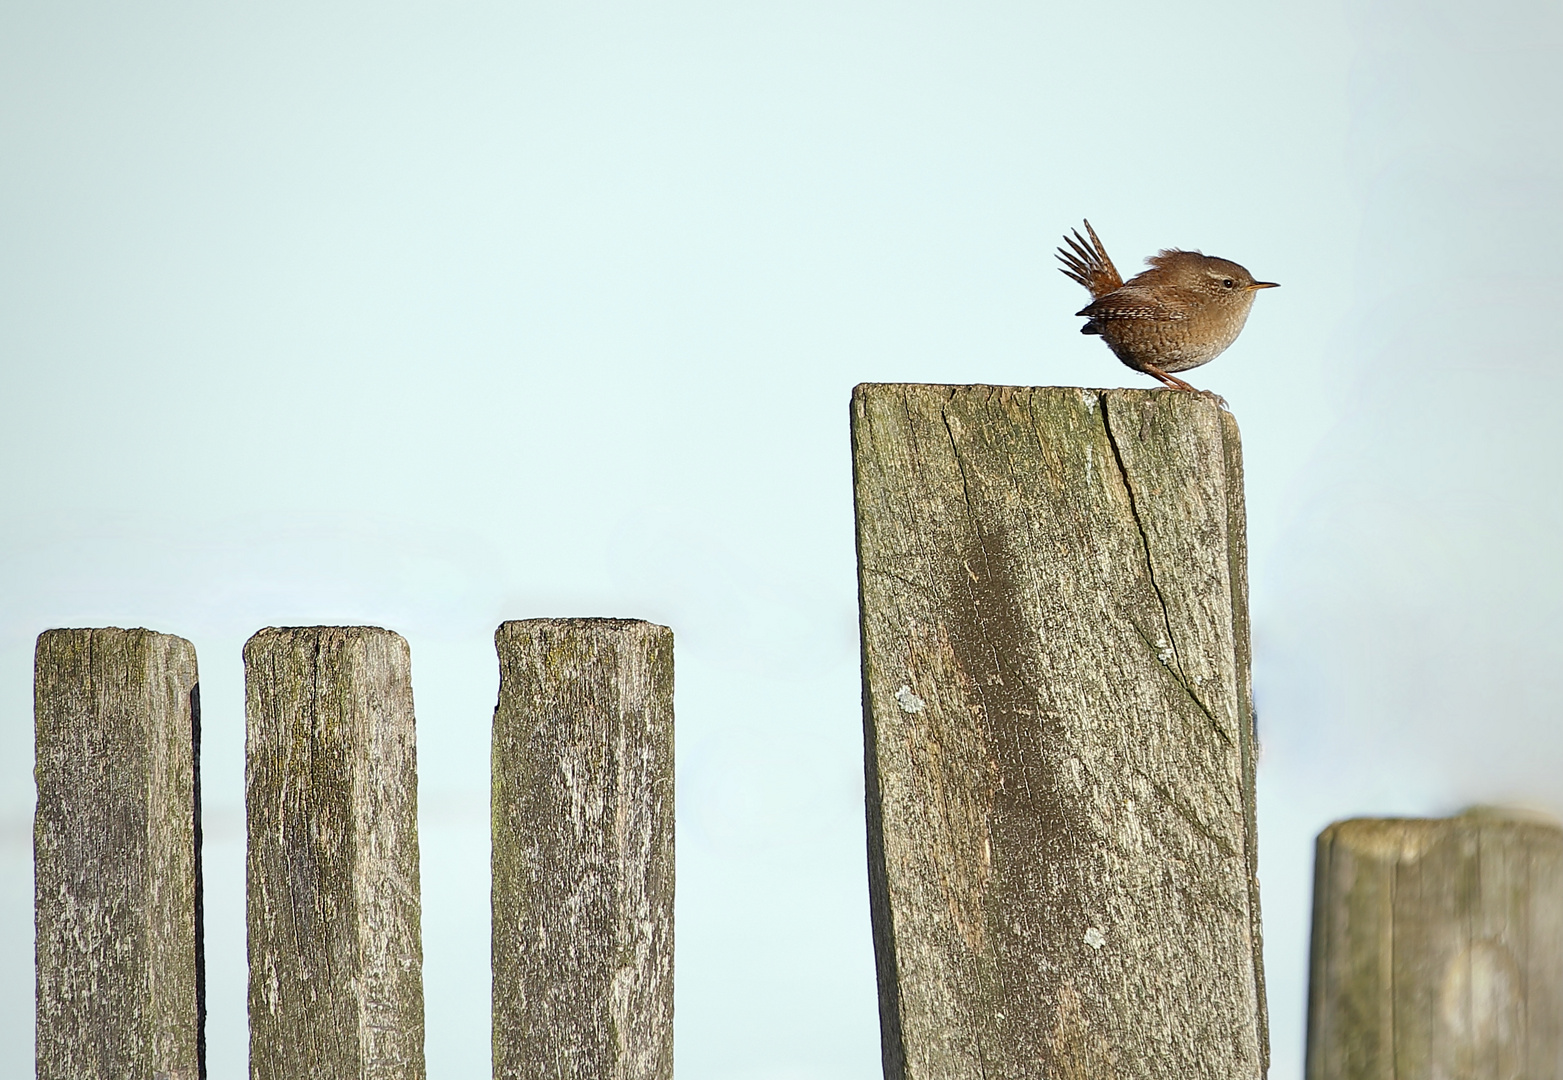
point(1174, 344)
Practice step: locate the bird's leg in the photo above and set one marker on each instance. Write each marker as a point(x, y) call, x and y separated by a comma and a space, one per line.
point(1171, 380)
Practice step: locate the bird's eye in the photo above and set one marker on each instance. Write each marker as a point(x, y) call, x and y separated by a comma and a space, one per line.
point(1227, 283)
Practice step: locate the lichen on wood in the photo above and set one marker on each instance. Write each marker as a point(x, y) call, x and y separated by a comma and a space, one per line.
point(1059, 734)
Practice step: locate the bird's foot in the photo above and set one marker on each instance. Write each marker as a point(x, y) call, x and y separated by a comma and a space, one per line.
point(1170, 380)
point(1178, 384)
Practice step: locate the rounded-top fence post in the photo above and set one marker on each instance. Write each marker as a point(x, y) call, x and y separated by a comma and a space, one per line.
point(331, 794)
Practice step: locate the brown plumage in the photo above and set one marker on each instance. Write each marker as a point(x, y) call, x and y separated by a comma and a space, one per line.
point(1182, 312)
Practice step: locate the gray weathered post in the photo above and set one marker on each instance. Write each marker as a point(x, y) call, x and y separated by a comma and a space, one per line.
point(116, 862)
point(1437, 950)
point(331, 794)
point(1059, 733)
point(583, 850)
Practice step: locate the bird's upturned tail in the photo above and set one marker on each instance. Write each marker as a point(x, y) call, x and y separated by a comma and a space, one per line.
point(1087, 263)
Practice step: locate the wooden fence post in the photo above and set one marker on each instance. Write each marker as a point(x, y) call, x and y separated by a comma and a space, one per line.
point(583, 850)
point(1437, 950)
point(115, 856)
point(331, 796)
point(1059, 739)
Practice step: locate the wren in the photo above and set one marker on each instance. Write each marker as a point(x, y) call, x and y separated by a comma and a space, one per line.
point(1182, 312)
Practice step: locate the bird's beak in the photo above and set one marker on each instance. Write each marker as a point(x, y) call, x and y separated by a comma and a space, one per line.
point(1265, 285)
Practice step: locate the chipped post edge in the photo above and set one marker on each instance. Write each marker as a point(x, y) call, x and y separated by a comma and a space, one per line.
point(1248, 719)
point(892, 1049)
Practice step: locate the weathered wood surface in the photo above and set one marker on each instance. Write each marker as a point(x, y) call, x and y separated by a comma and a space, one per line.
point(115, 713)
point(1437, 950)
point(331, 795)
point(1059, 733)
point(583, 850)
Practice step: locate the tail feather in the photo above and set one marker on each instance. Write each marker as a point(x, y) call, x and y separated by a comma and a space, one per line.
point(1088, 263)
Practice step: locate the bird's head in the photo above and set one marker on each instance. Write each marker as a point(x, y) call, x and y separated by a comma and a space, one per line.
point(1221, 280)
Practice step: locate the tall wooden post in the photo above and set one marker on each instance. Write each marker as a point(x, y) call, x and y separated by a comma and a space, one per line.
point(1059, 733)
point(1437, 950)
point(115, 856)
point(583, 851)
point(331, 794)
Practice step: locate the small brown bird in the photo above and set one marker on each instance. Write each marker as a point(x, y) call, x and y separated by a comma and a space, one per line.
point(1182, 312)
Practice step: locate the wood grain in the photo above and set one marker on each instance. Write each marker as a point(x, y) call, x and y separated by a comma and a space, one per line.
point(331, 796)
point(1437, 950)
point(1059, 733)
point(115, 858)
point(583, 850)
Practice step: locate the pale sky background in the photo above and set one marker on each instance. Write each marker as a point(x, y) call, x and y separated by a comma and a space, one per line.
point(430, 316)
